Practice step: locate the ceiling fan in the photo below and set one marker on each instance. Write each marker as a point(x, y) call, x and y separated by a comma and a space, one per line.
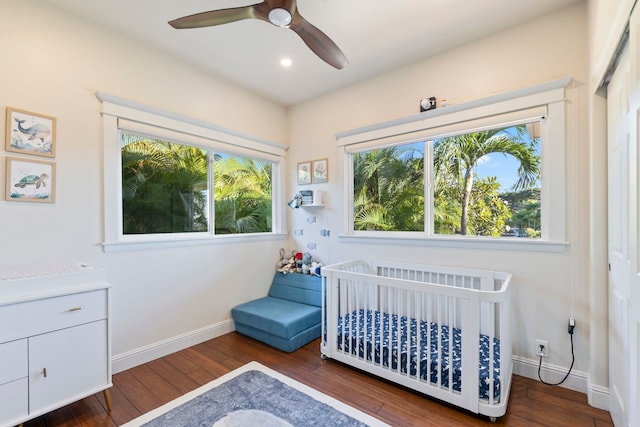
point(281, 13)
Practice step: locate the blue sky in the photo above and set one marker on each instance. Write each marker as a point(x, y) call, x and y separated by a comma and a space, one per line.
point(503, 167)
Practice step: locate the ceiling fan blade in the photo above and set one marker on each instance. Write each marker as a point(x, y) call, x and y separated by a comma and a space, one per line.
point(318, 42)
point(222, 16)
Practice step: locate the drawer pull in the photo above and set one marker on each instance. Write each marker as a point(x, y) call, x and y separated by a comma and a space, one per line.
point(75, 309)
point(44, 371)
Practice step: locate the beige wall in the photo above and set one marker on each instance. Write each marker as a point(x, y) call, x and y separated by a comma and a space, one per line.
point(54, 64)
point(548, 286)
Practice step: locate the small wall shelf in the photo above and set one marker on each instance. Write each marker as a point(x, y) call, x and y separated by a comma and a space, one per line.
point(311, 198)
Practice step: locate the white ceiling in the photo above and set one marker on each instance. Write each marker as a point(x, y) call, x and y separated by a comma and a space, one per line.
point(375, 35)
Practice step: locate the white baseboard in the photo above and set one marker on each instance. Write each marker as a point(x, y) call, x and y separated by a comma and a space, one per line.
point(577, 380)
point(138, 356)
point(597, 396)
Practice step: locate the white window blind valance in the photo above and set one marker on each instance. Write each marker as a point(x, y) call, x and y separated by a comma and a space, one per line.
point(433, 131)
point(238, 148)
point(510, 108)
point(146, 120)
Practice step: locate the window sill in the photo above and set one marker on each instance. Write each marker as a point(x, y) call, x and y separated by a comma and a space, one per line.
point(470, 242)
point(180, 242)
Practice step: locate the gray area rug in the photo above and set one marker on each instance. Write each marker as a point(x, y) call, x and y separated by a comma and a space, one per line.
point(255, 396)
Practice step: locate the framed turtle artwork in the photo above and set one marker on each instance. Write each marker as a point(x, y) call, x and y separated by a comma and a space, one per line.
point(30, 180)
point(30, 133)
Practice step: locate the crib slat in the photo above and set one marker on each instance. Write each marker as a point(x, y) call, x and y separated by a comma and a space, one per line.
point(429, 338)
point(396, 300)
point(450, 342)
point(439, 343)
point(418, 346)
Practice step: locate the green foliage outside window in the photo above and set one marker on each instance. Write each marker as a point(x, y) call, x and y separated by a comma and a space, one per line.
point(165, 189)
point(242, 189)
point(389, 189)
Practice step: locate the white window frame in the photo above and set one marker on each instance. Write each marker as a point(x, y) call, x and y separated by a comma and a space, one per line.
point(123, 115)
point(545, 102)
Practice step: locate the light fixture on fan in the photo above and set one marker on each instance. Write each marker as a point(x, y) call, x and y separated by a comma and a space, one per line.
point(280, 17)
point(281, 13)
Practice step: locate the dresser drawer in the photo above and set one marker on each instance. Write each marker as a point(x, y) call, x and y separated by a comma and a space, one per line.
point(44, 315)
point(13, 361)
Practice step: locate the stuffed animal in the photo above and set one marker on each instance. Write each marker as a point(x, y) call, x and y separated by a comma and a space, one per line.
point(315, 268)
point(307, 264)
point(306, 259)
point(283, 260)
point(287, 263)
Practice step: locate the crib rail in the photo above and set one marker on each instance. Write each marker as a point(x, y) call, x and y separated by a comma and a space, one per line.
point(422, 326)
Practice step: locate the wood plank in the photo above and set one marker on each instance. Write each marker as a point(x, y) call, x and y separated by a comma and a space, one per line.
point(122, 409)
point(169, 373)
point(156, 384)
point(89, 412)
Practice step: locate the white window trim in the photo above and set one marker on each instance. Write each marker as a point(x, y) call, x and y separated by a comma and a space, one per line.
point(120, 113)
point(549, 96)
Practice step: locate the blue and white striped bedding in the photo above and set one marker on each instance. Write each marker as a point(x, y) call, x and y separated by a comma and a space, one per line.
point(354, 323)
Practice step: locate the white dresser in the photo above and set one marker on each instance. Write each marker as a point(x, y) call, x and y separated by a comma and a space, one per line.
point(55, 341)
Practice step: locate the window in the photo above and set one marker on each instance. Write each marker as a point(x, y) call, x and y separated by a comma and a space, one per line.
point(389, 188)
point(482, 169)
point(243, 194)
point(171, 180)
point(165, 186)
point(487, 183)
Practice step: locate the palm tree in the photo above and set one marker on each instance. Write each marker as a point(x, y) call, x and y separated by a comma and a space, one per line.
point(242, 194)
point(389, 189)
point(457, 156)
point(162, 186)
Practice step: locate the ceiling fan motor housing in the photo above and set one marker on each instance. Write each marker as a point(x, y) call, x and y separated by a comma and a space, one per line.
point(281, 12)
point(279, 17)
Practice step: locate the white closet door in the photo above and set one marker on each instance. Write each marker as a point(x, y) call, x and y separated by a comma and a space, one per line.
point(620, 152)
point(632, 413)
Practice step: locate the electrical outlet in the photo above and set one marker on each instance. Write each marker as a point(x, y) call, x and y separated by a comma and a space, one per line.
point(542, 348)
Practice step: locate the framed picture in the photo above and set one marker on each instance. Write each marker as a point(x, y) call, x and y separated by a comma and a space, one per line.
point(30, 180)
point(304, 173)
point(320, 171)
point(30, 133)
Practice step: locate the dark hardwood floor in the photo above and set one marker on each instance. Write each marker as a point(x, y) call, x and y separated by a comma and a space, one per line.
point(143, 388)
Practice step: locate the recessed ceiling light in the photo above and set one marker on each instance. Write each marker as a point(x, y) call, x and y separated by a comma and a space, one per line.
point(286, 62)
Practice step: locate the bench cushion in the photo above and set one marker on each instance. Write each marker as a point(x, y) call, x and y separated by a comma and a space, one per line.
point(279, 317)
point(301, 288)
point(284, 344)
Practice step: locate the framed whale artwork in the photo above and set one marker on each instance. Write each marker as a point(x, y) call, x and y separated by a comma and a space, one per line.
point(30, 133)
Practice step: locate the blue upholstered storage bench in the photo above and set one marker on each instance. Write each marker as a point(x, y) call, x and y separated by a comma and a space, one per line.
point(288, 318)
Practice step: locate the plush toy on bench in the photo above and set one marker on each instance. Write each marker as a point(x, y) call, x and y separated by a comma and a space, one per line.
point(288, 318)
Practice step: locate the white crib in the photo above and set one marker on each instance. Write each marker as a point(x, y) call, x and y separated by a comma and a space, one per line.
point(370, 316)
